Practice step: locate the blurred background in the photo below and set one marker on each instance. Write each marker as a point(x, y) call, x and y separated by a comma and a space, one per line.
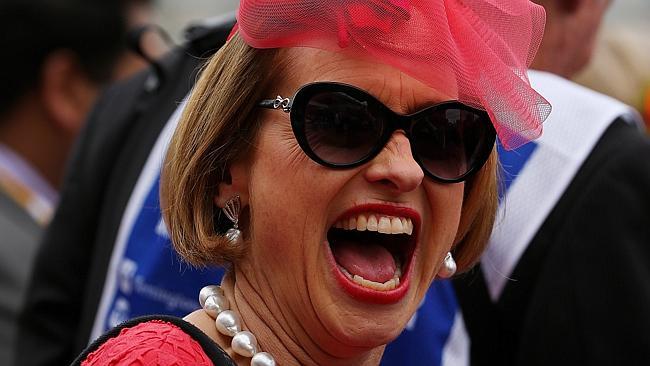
point(621, 63)
point(173, 14)
point(621, 66)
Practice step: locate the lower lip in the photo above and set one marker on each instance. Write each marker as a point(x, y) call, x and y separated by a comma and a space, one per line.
point(366, 294)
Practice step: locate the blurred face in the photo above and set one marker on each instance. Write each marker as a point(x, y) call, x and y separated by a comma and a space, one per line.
point(586, 22)
point(346, 254)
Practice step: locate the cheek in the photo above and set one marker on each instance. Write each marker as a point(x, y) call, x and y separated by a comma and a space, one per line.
point(445, 202)
point(287, 193)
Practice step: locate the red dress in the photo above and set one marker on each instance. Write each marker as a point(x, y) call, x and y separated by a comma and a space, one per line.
point(154, 340)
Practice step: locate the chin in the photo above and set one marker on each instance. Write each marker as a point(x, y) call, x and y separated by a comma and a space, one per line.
point(358, 323)
point(361, 332)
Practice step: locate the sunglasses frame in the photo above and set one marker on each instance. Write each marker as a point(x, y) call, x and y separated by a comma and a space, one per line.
point(296, 109)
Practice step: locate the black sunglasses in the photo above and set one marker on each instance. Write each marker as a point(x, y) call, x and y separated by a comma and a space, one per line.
point(341, 126)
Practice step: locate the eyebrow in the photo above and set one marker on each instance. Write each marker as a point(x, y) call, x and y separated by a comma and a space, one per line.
point(408, 108)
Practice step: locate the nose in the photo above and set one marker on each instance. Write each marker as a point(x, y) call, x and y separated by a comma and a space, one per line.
point(394, 166)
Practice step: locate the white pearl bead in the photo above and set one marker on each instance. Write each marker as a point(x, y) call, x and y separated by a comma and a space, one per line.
point(215, 304)
point(244, 344)
point(234, 236)
point(208, 291)
point(448, 267)
point(228, 323)
point(263, 359)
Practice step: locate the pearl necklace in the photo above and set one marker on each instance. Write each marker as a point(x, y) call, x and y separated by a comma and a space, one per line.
point(244, 343)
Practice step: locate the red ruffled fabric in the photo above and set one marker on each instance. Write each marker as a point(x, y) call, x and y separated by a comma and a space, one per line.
point(476, 51)
point(152, 343)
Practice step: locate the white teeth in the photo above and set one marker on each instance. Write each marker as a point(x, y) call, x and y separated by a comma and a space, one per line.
point(381, 224)
point(384, 226)
point(362, 223)
point(386, 286)
point(396, 225)
point(372, 223)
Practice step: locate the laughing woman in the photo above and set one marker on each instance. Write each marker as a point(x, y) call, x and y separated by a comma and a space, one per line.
point(337, 157)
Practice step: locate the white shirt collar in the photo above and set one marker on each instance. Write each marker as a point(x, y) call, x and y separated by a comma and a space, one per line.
point(20, 170)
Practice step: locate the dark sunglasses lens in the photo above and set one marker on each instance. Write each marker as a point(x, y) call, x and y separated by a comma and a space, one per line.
point(341, 129)
point(450, 142)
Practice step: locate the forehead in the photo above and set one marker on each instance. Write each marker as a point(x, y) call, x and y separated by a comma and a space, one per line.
point(397, 90)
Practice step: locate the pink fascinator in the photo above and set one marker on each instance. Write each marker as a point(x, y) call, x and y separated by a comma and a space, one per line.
point(478, 51)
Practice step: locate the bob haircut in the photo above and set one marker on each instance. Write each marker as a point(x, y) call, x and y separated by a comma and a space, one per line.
point(220, 125)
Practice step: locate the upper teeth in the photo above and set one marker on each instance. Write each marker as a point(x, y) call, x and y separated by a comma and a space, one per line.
point(381, 224)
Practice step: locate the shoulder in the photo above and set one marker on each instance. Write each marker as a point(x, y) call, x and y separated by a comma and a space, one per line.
point(621, 159)
point(204, 322)
point(154, 340)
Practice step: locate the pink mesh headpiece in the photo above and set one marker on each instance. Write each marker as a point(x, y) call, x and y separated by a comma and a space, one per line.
point(477, 51)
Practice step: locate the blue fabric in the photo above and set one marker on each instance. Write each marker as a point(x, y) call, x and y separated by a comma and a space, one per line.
point(512, 162)
point(151, 278)
point(422, 342)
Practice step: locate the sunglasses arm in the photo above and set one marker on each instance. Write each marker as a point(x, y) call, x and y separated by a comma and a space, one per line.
point(277, 103)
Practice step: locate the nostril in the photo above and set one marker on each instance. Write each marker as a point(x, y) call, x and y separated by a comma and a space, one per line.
point(388, 184)
point(402, 177)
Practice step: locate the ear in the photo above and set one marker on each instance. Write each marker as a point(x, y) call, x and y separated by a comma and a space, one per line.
point(66, 90)
point(234, 182)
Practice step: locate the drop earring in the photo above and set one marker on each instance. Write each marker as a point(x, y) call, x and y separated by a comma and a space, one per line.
point(448, 267)
point(232, 210)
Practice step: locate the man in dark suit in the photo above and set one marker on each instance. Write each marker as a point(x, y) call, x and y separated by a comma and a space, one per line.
point(56, 56)
point(566, 278)
point(111, 154)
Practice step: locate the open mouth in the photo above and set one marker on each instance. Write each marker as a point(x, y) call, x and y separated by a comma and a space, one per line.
point(373, 253)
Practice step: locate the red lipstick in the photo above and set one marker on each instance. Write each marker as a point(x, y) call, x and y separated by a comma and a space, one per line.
point(367, 294)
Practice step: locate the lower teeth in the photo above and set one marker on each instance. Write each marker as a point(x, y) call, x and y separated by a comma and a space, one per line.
point(386, 286)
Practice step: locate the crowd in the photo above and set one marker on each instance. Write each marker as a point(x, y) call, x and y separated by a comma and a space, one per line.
point(323, 183)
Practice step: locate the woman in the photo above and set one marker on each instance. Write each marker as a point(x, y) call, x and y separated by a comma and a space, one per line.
point(336, 203)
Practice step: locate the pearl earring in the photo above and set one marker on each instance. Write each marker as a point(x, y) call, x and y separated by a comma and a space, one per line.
point(448, 267)
point(231, 210)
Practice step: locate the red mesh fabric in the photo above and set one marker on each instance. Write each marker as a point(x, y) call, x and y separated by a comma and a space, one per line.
point(151, 343)
point(477, 51)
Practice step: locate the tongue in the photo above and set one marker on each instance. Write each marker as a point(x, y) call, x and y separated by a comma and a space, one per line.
point(370, 261)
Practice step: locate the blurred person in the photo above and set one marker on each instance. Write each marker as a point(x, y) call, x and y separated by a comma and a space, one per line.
point(147, 41)
point(114, 183)
point(56, 56)
point(620, 66)
point(566, 277)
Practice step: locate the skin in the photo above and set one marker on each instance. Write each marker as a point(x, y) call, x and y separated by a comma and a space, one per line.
point(570, 35)
point(284, 288)
point(43, 124)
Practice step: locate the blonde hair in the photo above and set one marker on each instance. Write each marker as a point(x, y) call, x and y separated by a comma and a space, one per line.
point(220, 124)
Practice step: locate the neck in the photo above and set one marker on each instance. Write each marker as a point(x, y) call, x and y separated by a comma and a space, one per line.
point(281, 336)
